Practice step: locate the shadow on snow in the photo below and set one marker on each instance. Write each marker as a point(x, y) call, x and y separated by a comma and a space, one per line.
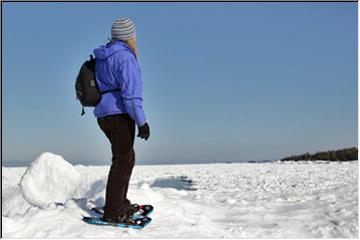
point(179, 183)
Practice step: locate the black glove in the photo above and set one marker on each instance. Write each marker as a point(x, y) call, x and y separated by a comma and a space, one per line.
point(144, 131)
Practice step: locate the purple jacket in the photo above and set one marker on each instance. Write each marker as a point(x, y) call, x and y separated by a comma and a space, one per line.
point(117, 67)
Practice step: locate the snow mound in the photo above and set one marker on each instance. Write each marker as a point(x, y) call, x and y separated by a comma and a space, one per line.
point(48, 179)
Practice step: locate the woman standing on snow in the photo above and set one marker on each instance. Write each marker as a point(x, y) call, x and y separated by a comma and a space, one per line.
point(120, 108)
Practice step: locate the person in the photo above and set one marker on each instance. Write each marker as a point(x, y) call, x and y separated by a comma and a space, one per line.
point(118, 77)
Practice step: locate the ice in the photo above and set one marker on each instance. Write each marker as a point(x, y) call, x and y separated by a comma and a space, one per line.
point(49, 179)
point(245, 200)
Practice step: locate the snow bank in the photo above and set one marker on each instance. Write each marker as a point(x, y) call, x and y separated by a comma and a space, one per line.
point(49, 179)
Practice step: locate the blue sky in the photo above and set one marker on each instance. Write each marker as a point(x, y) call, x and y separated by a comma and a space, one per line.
point(222, 81)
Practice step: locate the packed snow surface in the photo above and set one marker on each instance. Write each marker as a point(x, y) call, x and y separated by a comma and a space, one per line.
point(244, 200)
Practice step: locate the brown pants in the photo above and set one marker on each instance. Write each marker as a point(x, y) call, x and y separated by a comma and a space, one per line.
point(120, 130)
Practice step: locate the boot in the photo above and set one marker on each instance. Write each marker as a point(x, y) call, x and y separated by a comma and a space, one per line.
point(126, 219)
point(133, 208)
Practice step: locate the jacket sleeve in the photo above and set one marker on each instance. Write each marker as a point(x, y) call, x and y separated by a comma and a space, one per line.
point(131, 89)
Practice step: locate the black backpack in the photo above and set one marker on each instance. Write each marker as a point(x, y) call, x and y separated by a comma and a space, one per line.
point(87, 91)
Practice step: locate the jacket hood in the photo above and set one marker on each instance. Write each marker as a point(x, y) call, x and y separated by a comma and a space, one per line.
point(110, 48)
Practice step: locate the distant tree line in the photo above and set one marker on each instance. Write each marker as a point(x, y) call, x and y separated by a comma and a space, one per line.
point(345, 154)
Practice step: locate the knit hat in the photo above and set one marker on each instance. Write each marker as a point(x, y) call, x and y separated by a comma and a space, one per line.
point(123, 29)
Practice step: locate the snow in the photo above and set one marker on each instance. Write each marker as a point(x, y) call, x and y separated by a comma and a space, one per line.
point(50, 178)
point(244, 200)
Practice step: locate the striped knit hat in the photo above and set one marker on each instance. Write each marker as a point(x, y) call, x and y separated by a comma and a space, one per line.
point(123, 29)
